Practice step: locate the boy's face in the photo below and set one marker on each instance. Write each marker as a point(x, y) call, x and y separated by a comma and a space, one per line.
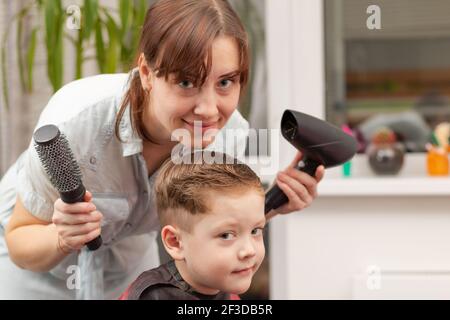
point(225, 247)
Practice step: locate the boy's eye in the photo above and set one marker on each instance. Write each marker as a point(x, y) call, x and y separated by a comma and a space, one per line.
point(226, 236)
point(186, 84)
point(257, 231)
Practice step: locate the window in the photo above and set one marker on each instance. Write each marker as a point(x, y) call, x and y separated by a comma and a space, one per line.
point(396, 76)
point(253, 105)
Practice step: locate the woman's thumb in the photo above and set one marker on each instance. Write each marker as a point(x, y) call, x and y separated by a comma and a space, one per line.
point(87, 196)
point(298, 157)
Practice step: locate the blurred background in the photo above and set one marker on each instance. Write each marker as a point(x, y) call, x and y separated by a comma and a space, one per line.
point(400, 72)
point(380, 70)
point(48, 43)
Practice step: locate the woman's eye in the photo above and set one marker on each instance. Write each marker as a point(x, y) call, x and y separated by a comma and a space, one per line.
point(225, 83)
point(185, 84)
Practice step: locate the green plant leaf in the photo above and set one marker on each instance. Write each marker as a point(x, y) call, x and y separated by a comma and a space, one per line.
point(19, 51)
point(113, 45)
point(54, 26)
point(124, 11)
point(79, 54)
point(50, 33)
point(100, 45)
point(141, 11)
point(3, 59)
point(59, 49)
point(118, 50)
point(31, 52)
point(138, 16)
point(89, 17)
point(49, 7)
point(4, 77)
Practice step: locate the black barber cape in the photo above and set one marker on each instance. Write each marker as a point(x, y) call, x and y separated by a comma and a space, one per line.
point(165, 283)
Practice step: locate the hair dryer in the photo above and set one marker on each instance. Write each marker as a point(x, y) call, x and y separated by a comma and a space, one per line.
point(320, 143)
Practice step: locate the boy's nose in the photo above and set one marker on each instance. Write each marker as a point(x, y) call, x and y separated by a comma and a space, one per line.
point(247, 249)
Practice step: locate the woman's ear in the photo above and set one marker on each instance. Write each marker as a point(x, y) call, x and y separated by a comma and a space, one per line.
point(171, 239)
point(145, 73)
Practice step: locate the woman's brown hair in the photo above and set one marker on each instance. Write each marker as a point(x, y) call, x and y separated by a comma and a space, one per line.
point(176, 39)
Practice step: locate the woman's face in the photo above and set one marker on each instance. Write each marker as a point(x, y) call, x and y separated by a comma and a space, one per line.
point(180, 105)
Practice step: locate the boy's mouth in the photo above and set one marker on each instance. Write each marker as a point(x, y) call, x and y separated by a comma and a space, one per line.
point(244, 271)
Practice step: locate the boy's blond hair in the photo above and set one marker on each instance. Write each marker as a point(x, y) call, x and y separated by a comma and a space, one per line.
point(182, 189)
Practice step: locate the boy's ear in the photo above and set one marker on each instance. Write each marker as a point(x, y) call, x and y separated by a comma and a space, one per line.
point(171, 239)
point(145, 73)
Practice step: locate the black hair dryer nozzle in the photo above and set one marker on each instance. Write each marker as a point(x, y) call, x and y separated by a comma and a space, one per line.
point(320, 142)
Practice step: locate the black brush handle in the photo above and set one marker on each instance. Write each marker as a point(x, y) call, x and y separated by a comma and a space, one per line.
point(75, 196)
point(95, 244)
point(275, 197)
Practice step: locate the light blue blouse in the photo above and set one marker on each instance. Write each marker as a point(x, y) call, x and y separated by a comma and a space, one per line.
point(116, 174)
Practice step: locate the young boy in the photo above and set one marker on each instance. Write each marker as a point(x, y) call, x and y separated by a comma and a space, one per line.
point(212, 219)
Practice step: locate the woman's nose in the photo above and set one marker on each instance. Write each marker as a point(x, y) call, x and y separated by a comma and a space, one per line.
point(206, 106)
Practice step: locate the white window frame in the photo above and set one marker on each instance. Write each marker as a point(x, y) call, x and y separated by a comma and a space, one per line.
point(295, 80)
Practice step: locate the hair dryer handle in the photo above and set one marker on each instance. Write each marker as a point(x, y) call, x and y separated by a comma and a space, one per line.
point(275, 197)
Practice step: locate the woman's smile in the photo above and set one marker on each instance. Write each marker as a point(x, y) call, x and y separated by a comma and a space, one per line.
point(201, 125)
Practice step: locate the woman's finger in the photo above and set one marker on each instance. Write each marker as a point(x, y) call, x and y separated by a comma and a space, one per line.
point(300, 190)
point(77, 242)
point(297, 158)
point(79, 207)
point(78, 230)
point(75, 219)
point(320, 172)
point(88, 196)
point(305, 179)
point(294, 202)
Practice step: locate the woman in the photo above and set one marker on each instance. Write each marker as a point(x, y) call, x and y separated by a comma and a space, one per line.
point(192, 67)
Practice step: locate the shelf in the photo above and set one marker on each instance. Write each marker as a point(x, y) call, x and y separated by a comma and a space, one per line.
point(411, 180)
point(385, 186)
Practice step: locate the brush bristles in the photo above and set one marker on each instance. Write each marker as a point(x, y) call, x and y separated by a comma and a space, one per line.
point(60, 164)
